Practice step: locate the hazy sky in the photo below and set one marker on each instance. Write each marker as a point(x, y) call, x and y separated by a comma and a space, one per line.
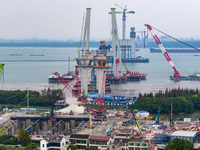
point(62, 19)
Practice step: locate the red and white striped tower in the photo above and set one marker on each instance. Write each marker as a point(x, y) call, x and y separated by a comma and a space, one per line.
point(176, 73)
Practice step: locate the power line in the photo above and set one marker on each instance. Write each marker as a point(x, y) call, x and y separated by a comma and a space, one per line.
point(177, 39)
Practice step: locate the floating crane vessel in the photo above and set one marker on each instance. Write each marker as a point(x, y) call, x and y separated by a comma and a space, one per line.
point(177, 76)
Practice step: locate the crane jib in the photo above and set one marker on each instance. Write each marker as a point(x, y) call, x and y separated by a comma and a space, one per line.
point(176, 73)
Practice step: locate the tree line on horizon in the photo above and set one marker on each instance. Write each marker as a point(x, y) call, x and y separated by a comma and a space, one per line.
point(183, 100)
point(18, 97)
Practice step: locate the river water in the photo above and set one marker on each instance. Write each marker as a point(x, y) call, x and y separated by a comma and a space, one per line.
point(25, 71)
point(33, 71)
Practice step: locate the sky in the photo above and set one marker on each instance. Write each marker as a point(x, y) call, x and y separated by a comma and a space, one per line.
point(62, 19)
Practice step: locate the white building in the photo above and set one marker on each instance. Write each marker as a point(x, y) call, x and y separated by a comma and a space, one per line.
point(45, 145)
point(142, 114)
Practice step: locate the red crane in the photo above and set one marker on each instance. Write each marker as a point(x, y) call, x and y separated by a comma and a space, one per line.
point(70, 86)
point(117, 68)
point(101, 99)
point(176, 73)
point(197, 127)
point(127, 71)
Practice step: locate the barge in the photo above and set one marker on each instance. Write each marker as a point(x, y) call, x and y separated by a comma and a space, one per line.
point(174, 50)
point(66, 77)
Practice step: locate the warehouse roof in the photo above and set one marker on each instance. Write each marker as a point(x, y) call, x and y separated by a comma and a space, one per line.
point(99, 138)
point(80, 136)
point(185, 133)
point(143, 111)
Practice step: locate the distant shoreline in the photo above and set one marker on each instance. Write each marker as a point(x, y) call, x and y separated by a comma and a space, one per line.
point(166, 44)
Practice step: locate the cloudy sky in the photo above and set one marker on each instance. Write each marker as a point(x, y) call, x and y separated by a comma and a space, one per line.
point(62, 19)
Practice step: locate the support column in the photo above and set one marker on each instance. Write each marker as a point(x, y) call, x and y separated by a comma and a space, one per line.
point(115, 41)
point(72, 124)
point(132, 36)
point(86, 32)
point(28, 123)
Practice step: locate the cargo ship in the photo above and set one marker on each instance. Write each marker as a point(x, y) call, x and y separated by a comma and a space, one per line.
point(138, 59)
point(175, 50)
point(66, 77)
point(36, 55)
point(15, 54)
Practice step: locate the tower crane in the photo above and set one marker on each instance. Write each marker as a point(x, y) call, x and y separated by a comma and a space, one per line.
point(176, 73)
point(124, 12)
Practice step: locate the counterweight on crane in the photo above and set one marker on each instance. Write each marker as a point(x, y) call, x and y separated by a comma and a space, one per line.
point(176, 73)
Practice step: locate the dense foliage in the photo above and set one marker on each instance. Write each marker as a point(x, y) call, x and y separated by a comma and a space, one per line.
point(23, 137)
point(8, 140)
point(36, 98)
point(179, 144)
point(171, 93)
point(183, 100)
point(180, 104)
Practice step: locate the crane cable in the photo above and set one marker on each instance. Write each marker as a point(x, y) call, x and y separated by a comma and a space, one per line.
point(176, 39)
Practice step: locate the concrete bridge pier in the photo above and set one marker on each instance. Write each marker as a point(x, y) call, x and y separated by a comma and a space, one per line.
point(72, 124)
point(28, 123)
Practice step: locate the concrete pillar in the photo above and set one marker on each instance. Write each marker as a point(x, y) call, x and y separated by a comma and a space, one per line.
point(86, 32)
point(37, 129)
point(62, 126)
point(72, 124)
point(32, 132)
point(49, 125)
point(28, 123)
point(132, 36)
point(115, 41)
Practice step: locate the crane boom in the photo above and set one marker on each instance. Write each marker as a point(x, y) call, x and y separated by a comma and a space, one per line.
point(135, 119)
point(78, 96)
point(176, 73)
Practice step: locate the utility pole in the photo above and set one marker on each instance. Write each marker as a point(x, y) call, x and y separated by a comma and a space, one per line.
point(171, 119)
point(27, 88)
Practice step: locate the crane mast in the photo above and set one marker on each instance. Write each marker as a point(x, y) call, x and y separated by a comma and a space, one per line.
point(176, 73)
point(124, 19)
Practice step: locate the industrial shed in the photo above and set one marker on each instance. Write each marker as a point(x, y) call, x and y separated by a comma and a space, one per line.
point(192, 136)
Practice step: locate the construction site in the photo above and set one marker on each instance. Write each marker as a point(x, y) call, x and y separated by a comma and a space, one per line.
point(94, 72)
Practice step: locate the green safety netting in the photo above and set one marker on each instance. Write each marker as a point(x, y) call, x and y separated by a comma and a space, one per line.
point(1, 67)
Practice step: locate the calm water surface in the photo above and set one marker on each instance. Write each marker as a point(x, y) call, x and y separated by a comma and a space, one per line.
point(33, 71)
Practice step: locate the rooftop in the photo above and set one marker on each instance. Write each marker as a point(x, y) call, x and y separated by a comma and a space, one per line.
point(79, 136)
point(99, 138)
point(185, 133)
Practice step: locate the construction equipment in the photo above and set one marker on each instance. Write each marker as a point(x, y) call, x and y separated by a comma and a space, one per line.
point(1, 75)
point(70, 86)
point(124, 12)
point(158, 118)
point(3, 131)
point(127, 71)
point(111, 129)
point(90, 124)
point(176, 73)
point(135, 119)
point(197, 127)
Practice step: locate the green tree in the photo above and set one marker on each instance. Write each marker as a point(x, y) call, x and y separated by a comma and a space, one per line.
point(72, 147)
point(31, 146)
point(179, 144)
point(23, 137)
point(132, 137)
